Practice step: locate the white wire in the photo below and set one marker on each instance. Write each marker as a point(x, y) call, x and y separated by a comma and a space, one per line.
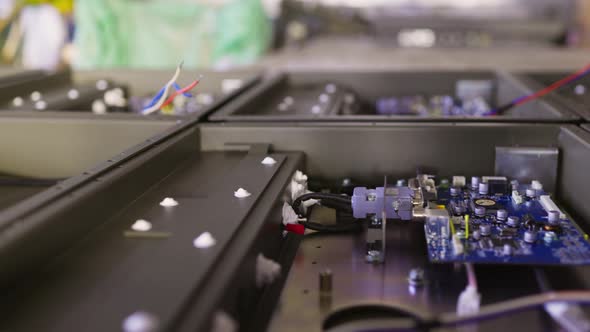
point(160, 102)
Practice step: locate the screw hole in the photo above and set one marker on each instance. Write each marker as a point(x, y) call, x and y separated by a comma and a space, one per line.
point(314, 262)
point(305, 291)
point(319, 247)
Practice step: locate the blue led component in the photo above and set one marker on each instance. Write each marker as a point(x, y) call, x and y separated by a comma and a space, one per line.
point(531, 242)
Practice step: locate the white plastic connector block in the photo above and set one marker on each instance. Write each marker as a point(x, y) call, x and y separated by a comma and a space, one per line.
point(242, 193)
point(486, 179)
point(289, 215)
point(548, 205)
point(169, 202)
point(267, 270)
point(141, 225)
point(458, 181)
point(536, 184)
point(204, 241)
point(469, 300)
point(458, 248)
point(269, 161)
point(516, 197)
point(141, 321)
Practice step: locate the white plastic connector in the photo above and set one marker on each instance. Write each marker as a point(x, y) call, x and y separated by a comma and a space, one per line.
point(458, 181)
point(536, 184)
point(141, 225)
point(242, 193)
point(269, 161)
point(458, 248)
point(169, 202)
point(140, 321)
point(289, 215)
point(516, 198)
point(204, 241)
point(267, 270)
point(469, 300)
point(549, 205)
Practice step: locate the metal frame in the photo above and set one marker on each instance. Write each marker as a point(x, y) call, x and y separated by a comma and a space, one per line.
point(370, 83)
point(533, 80)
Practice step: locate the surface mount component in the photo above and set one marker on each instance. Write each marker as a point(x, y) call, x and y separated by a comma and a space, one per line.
point(524, 227)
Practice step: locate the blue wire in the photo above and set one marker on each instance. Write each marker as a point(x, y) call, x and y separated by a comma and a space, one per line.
point(159, 95)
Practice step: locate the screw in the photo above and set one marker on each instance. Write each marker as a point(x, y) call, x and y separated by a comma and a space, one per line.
point(326, 282)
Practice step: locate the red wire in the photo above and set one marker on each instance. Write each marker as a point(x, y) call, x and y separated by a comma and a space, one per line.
point(554, 86)
point(181, 91)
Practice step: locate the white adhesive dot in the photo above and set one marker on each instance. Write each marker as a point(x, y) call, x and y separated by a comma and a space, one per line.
point(324, 98)
point(168, 202)
point(102, 84)
point(18, 102)
point(36, 96)
point(140, 321)
point(242, 193)
point(40, 105)
point(316, 109)
point(73, 94)
point(289, 100)
point(141, 225)
point(98, 107)
point(204, 241)
point(330, 88)
point(268, 161)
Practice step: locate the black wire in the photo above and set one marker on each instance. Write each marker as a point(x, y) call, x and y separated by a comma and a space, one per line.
point(332, 200)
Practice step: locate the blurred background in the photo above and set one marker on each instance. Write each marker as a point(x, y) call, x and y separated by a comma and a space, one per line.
point(221, 34)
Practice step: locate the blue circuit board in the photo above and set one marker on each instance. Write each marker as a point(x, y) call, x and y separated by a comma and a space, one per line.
point(544, 244)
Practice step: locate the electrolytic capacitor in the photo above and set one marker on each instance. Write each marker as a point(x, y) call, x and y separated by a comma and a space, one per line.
point(501, 214)
point(475, 182)
point(483, 188)
point(480, 211)
point(485, 229)
point(553, 217)
point(531, 193)
point(513, 221)
point(530, 236)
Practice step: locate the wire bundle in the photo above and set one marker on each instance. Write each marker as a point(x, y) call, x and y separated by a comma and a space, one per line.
point(161, 99)
point(340, 203)
point(552, 87)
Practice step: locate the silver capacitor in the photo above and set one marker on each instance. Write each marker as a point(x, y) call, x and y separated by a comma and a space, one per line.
point(483, 188)
point(455, 191)
point(530, 193)
point(485, 229)
point(513, 221)
point(475, 182)
point(530, 236)
point(507, 249)
point(501, 214)
point(553, 217)
point(480, 211)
